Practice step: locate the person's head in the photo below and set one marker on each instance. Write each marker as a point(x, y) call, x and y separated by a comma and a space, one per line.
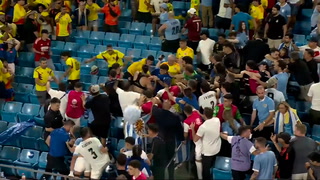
point(148, 94)
point(40, 8)
point(187, 60)
point(204, 87)
point(314, 158)
point(221, 38)
point(295, 56)
point(238, 8)
point(90, 2)
point(117, 67)
point(260, 143)
point(263, 66)
point(55, 104)
point(150, 60)
point(85, 133)
point(126, 85)
point(242, 27)
point(216, 58)
point(164, 68)
point(78, 86)
point(283, 138)
point(187, 110)
point(228, 48)
point(129, 142)
point(43, 63)
point(260, 92)
point(300, 130)
point(283, 53)
point(65, 55)
point(64, 9)
point(308, 54)
point(232, 35)
point(62, 87)
point(313, 42)
point(274, 52)
point(112, 2)
point(166, 105)
point(136, 151)
point(82, 4)
point(318, 7)
point(145, 69)
point(227, 100)
point(280, 65)
point(208, 113)
point(171, 59)
point(193, 84)
point(204, 35)
point(255, 3)
point(189, 70)
point(134, 167)
point(163, 7)
point(58, 4)
point(110, 49)
point(21, 2)
point(251, 65)
point(44, 34)
point(225, 87)
point(275, 10)
point(183, 44)
point(112, 74)
point(11, 43)
point(68, 125)
point(245, 131)
point(288, 37)
point(219, 68)
point(272, 83)
point(121, 160)
point(187, 92)
point(153, 130)
point(192, 12)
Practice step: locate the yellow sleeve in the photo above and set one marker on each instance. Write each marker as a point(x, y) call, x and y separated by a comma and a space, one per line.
point(120, 54)
point(51, 73)
point(178, 51)
point(264, 3)
point(1, 65)
point(261, 13)
point(178, 68)
point(96, 6)
point(16, 14)
point(35, 74)
point(191, 54)
point(69, 62)
point(100, 56)
point(69, 18)
point(57, 16)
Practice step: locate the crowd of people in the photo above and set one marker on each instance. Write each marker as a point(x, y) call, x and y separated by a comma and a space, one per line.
point(197, 95)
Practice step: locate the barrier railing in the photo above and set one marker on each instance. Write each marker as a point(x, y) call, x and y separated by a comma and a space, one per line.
point(172, 161)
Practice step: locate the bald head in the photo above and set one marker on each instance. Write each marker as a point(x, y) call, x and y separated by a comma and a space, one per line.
point(260, 92)
point(171, 59)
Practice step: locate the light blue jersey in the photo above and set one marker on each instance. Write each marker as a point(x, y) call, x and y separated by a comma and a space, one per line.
point(163, 17)
point(173, 29)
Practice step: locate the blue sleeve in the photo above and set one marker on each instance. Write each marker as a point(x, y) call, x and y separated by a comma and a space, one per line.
point(289, 11)
point(271, 105)
point(249, 17)
point(147, 167)
point(178, 99)
point(256, 164)
point(66, 138)
point(254, 106)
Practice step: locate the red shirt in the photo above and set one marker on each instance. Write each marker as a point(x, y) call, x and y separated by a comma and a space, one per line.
point(194, 28)
point(74, 106)
point(175, 90)
point(42, 46)
point(140, 177)
point(196, 118)
point(146, 108)
point(109, 19)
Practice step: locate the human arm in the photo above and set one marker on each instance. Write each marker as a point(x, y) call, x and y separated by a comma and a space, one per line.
point(73, 161)
point(161, 29)
point(266, 28)
point(284, 27)
point(273, 138)
point(253, 116)
point(196, 137)
point(48, 140)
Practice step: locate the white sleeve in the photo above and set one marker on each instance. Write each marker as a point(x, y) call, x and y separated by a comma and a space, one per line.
point(198, 48)
point(200, 131)
point(152, 2)
point(252, 149)
point(229, 139)
point(119, 90)
point(144, 155)
point(96, 141)
point(310, 93)
point(51, 92)
point(185, 127)
point(76, 151)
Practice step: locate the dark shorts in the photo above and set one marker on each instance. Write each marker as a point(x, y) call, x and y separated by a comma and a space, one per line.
point(170, 45)
point(71, 84)
point(223, 23)
point(294, 9)
point(111, 28)
point(63, 38)
point(42, 96)
point(144, 17)
point(100, 130)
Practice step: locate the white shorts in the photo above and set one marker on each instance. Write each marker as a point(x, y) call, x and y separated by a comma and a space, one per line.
point(198, 150)
point(96, 172)
point(82, 166)
point(94, 23)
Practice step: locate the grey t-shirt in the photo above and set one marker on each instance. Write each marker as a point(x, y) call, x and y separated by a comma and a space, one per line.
point(302, 147)
point(316, 171)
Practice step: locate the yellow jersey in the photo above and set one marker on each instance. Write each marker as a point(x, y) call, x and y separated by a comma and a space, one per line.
point(75, 68)
point(6, 78)
point(46, 3)
point(257, 12)
point(195, 4)
point(115, 57)
point(143, 6)
point(43, 75)
point(93, 8)
point(1, 75)
point(187, 52)
point(63, 25)
point(3, 6)
point(173, 69)
point(19, 14)
point(136, 66)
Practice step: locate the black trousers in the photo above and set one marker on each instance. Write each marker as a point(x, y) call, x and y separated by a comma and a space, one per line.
point(111, 28)
point(314, 117)
point(207, 163)
point(170, 150)
point(71, 84)
point(239, 175)
point(193, 45)
point(56, 163)
point(63, 38)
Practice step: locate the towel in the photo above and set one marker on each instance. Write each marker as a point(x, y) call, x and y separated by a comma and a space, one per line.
point(279, 121)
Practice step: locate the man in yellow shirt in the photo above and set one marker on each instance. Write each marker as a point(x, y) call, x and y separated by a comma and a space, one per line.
point(73, 69)
point(63, 24)
point(42, 74)
point(184, 50)
point(137, 66)
point(2, 85)
point(143, 14)
point(111, 56)
point(19, 14)
point(174, 67)
point(94, 8)
point(257, 12)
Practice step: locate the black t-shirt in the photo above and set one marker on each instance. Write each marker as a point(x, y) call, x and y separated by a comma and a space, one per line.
point(53, 13)
point(52, 119)
point(301, 72)
point(264, 76)
point(276, 24)
point(231, 60)
point(29, 28)
point(313, 68)
point(286, 159)
point(159, 152)
point(115, 107)
point(100, 107)
point(125, 173)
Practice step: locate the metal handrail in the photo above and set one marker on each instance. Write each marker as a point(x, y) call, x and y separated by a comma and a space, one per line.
point(172, 159)
point(42, 172)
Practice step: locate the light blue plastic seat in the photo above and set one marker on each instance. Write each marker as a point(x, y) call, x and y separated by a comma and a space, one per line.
point(22, 93)
point(34, 131)
point(10, 111)
point(213, 33)
point(8, 155)
point(112, 38)
point(126, 14)
point(141, 42)
point(82, 37)
point(126, 40)
point(42, 163)
point(179, 7)
point(57, 47)
point(155, 44)
point(102, 64)
point(134, 53)
point(222, 168)
point(166, 54)
point(103, 72)
point(146, 53)
point(28, 158)
point(42, 146)
point(316, 132)
point(28, 142)
point(72, 47)
point(137, 28)
point(121, 49)
point(3, 126)
point(99, 49)
point(148, 31)
point(28, 112)
point(34, 97)
point(124, 27)
point(299, 39)
point(85, 51)
point(25, 75)
point(121, 144)
point(102, 80)
point(56, 58)
point(96, 37)
point(26, 59)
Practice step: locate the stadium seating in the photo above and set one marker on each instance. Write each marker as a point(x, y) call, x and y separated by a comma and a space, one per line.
point(121, 144)
point(57, 47)
point(33, 96)
point(42, 146)
point(85, 51)
point(213, 33)
point(10, 110)
point(146, 53)
point(148, 30)
point(42, 163)
point(137, 28)
point(82, 37)
point(102, 79)
point(28, 112)
point(179, 7)
point(134, 53)
point(141, 42)
point(25, 75)
point(155, 44)
point(102, 64)
point(126, 40)
point(30, 136)
point(96, 37)
point(299, 39)
point(3, 126)
point(99, 49)
point(111, 39)
point(124, 27)
point(8, 155)
point(222, 168)
point(29, 159)
point(316, 132)
point(72, 47)
point(26, 59)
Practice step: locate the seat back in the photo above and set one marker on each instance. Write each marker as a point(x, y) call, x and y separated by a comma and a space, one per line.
point(102, 79)
point(112, 36)
point(83, 34)
point(42, 145)
point(99, 49)
point(223, 163)
point(2, 103)
point(3, 126)
point(121, 49)
point(121, 144)
point(57, 44)
point(142, 39)
point(316, 130)
point(13, 107)
point(70, 46)
point(42, 163)
point(26, 71)
point(146, 53)
point(87, 48)
point(136, 53)
point(26, 56)
point(31, 109)
point(41, 112)
point(25, 88)
point(97, 35)
point(29, 156)
point(155, 40)
point(127, 37)
point(124, 24)
point(34, 131)
point(10, 153)
point(102, 64)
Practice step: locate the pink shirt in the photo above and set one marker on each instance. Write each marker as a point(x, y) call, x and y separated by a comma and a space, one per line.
point(140, 177)
point(75, 106)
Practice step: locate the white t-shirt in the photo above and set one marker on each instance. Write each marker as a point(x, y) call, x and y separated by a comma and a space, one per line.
point(90, 150)
point(316, 51)
point(156, 4)
point(276, 95)
point(127, 98)
point(225, 12)
point(205, 47)
point(209, 132)
point(64, 100)
point(208, 100)
point(129, 154)
point(314, 93)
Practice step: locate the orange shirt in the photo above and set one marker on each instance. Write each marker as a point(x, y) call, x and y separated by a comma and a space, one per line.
point(109, 19)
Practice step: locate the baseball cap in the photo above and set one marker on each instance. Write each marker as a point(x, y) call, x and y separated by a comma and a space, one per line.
point(44, 31)
point(94, 70)
point(192, 11)
point(95, 88)
point(164, 6)
point(271, 82)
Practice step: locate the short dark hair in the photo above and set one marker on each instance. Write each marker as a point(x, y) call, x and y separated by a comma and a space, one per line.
point(78, 85)
point(289, 35)
point(222, 35)
point(193, 84)
point(145, 68)
point(109, 46)
point(126, 85)
point(113, 73)
point(187, 59)
point(218, 57)
point(153, 127)
point(310, 52)
point(62, 86)
point(261, 140)
point(251, 64)
point(208, 112)
point(43, 59)
point(122, 159)
point(130, 140)
point(233, 34)
point(115, 66)
point(69, 122)
point(314, 156)
point(136, 151)
point(204, 32)
point(228, 96)
point(135, 164)
point(84, 131)
point(282, 64)
point(183, 40)
point(148, 93)
point(277, 6)
point(66, 53)
point(55, 100)
point(188, 109)
point(229, 45)
point(164, 67)
point(150, 57)
point(44, 31)
point(189, 68)
point(272, 50)
point(205, 86)
point(227, 86)
point(285, 136)
point(295, 56)
point(243, 129)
